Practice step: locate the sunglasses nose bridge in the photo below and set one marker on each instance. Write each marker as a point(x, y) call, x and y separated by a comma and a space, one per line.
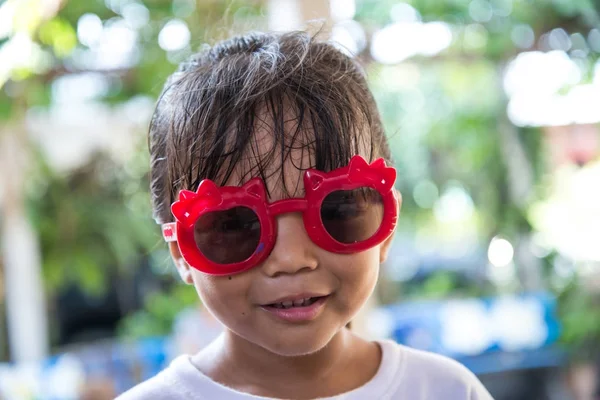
point(287, 206)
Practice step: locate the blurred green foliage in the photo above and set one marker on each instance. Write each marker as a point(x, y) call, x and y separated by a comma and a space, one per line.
point(579, 312)
point(158, 314)
point(92, 222)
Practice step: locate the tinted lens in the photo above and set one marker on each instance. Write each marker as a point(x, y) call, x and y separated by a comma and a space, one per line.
point(228, 236)
point(351, 216)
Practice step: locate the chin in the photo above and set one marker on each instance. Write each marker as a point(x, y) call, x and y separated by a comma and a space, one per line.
point(297, 344)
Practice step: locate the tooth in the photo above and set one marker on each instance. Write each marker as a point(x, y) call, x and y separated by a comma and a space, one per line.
point(288, 304)
point(298, 303)
point(278, 305)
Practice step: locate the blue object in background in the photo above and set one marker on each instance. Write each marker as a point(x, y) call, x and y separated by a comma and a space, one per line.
point(152, 354)
point(487, 335)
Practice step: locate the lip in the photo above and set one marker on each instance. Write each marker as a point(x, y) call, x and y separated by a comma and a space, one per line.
point(295, 297)
point(298, 314)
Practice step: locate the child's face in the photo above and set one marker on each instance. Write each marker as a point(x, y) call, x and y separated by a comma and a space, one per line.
point(296, 266)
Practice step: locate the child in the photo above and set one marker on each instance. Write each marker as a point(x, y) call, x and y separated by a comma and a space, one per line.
point(269, 178)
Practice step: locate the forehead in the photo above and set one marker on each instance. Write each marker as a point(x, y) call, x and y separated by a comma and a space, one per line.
point(280, 160)
point(285, 140)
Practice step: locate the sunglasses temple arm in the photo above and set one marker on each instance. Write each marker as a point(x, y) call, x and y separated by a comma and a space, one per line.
point(169, 232)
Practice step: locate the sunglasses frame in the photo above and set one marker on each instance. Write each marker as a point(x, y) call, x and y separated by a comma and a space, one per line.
point(318, 185)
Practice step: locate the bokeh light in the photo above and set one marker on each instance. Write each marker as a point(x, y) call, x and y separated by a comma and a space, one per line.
point(500, 252)
point(175, 35)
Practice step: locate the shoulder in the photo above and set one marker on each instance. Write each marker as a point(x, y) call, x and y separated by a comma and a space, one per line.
point(427, 365)
point(170, 384)
point(425, 375)
point(154, 388)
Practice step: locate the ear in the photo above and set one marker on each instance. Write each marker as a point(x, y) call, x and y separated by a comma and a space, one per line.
point(185, 271)
point(387, 244)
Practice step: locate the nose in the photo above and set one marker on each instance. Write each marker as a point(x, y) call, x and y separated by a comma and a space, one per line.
point(293, 251)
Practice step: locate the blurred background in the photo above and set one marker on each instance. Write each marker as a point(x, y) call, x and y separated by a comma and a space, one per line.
point(492, 108)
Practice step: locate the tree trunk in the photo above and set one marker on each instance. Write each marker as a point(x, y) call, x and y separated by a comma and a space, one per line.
point(25, 299)
point(520, 178)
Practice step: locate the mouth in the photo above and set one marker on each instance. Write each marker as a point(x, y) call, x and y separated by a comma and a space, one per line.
point(298, 310)
point(302, 302)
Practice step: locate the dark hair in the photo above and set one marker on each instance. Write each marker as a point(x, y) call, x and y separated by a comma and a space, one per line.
point(204, 123)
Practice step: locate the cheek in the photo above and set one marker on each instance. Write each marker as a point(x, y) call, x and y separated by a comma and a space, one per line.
point(357, 275)
point(225, 298)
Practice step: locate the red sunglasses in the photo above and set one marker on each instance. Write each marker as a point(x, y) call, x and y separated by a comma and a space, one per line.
point(230, 229)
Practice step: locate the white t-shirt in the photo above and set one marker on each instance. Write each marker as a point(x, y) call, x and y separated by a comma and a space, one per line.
point(404, 373)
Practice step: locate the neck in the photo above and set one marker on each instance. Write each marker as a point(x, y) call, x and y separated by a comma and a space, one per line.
point(247, 367)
